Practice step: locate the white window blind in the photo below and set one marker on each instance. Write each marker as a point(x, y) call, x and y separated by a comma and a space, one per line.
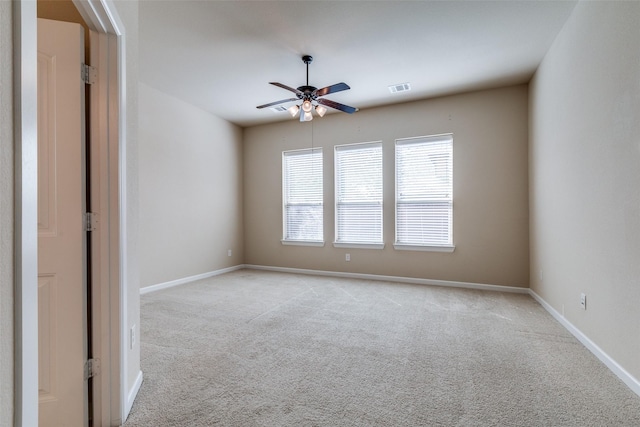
point(358, 180)
point(424, 191)
point(302, 195)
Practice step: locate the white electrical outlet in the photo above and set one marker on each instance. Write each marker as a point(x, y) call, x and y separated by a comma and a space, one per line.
point(132, 335)
point(229, 252)
point(347, 257)
point(583, 301)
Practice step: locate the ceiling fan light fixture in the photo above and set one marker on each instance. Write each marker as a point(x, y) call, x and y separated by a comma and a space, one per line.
point(320, 110)
point(309, 96)
point(293, 110)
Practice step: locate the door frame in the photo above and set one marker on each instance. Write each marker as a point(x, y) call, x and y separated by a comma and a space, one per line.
point(108, 182)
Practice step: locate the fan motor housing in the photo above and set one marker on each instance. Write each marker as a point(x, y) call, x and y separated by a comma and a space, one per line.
point(307, 91)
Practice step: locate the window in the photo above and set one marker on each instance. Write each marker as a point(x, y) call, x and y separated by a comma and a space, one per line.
point(302, 196)
point(424, 187)
point(358, 169)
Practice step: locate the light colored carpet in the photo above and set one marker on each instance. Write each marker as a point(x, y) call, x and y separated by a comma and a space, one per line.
point(253, 348)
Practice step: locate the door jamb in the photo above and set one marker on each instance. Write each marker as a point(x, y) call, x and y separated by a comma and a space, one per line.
point(26, 215)
point(101, 16)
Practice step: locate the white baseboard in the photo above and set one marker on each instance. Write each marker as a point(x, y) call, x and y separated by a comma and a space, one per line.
point(613, 366)
point(189, 279)
point(131, 396)
point(417, 281)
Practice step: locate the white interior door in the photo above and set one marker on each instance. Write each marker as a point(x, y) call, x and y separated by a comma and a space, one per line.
point(61, 236)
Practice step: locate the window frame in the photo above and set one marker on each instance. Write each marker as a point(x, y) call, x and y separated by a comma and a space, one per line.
point(449, 246)
point(285, 199)
point(346, 244)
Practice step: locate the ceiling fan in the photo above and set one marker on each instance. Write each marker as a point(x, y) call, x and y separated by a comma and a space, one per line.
point(311, 98)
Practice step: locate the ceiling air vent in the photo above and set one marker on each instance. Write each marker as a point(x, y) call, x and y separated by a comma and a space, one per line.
point(279, 108)
point(400, 87)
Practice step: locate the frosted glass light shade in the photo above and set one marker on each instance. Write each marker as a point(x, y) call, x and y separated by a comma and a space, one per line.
point(293, 110)
point(321, 110)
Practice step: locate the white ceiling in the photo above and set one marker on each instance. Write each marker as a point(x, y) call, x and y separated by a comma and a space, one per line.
point(220, 55)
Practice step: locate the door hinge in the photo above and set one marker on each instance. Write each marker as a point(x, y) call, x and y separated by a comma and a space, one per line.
point(90, 221)
point(91, 368)
point(89, 74)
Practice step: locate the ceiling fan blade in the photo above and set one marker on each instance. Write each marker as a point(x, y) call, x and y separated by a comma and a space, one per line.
point(296, 91)
point(337, 106)
point(331, 89)
point(277, 102)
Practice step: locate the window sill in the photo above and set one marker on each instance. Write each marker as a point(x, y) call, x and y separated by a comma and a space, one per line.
point(402, 247)
point(302, 243)
point(358, 245)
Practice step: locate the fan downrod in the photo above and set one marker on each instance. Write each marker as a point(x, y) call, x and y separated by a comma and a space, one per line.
point(307, 59)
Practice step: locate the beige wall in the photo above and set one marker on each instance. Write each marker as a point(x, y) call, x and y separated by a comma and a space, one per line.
point(490, 188)
point(585, 176)
point(6, 215)
point(190, 190)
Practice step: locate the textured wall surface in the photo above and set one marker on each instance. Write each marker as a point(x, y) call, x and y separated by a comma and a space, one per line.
point(585, 176)
point(490, 219)
point(190, 190)
point(6, 215)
